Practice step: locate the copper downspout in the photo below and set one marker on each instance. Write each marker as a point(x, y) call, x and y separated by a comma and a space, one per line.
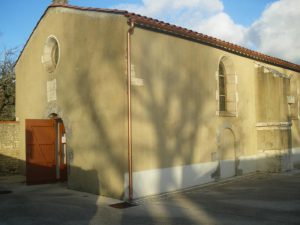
point(129, 33)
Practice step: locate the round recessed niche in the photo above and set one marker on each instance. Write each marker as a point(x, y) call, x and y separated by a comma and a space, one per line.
point(51, 54)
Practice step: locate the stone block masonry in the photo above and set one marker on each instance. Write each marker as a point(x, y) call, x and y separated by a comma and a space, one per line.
point(9, 147)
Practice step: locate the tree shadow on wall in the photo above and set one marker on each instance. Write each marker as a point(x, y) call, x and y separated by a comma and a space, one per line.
point(170, 113)
point(174, 139)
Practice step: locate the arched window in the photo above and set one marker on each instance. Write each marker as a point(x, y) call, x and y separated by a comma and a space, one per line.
point(227, 88)
point(222, 88)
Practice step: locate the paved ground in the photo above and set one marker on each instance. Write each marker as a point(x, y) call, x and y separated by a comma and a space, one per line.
point(258, 199)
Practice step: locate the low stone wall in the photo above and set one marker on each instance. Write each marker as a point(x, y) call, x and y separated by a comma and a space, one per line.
point(9, 147)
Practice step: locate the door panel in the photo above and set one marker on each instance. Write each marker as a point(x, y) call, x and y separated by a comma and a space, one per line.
point(40, 151)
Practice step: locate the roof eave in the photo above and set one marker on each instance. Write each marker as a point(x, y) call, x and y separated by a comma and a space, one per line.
point(160, 26)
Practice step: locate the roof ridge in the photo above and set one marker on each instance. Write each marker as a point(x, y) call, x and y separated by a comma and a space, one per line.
point(118, 11)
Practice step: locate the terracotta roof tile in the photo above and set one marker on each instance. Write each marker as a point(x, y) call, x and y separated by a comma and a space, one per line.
point(158, 25)
point(227, 46)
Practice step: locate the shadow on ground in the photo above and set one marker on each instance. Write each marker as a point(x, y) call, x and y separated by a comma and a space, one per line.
point(254, 199)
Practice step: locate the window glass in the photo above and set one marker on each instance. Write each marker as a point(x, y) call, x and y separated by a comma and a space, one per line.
point(222, 88)
point(222, 103)
point(221, 69)
point(222, 85)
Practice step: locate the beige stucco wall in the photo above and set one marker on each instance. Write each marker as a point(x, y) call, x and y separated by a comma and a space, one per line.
point(174, 112)
point(174, 106)
point(91, 94)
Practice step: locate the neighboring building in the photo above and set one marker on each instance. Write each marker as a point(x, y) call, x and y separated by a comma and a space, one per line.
point(197, 109)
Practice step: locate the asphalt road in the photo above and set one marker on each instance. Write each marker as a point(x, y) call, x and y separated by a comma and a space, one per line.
point(256, 199)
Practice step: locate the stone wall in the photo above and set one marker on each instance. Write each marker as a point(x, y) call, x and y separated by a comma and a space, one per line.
point(274, 146)
point(9, 147)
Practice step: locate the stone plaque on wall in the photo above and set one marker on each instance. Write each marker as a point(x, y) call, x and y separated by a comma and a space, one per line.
point(51, 90)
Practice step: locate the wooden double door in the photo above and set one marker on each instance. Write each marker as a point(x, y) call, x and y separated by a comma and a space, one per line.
point(46, 155)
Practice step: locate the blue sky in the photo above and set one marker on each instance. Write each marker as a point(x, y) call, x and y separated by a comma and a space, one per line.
point(244, 22)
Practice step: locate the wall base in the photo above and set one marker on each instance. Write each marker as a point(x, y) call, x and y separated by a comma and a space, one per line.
point(158, 181)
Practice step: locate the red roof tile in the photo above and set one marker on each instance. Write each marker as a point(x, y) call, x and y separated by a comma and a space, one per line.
point(155, 24)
